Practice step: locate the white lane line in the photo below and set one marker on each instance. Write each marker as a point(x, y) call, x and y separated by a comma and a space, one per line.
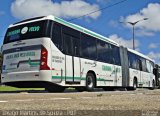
point(55, 99)
point(25, 100)
point(61, 98)
point(3, 101)
point(132, 94)
point(28, 100)
point(86, 97)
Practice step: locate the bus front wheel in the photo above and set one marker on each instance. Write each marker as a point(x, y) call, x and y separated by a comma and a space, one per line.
point(90, 82)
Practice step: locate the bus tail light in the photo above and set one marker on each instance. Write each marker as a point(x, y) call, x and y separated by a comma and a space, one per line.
point(44, 57)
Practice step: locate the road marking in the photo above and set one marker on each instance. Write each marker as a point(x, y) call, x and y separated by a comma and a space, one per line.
point(61, 98)
point(28, 100)
point(3, 101)
point(24, 100)
point(139, 93)
point(132, 94)
point(24, 93)
point(86, 97)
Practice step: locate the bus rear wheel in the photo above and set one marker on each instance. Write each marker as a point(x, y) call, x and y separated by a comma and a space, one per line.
point(134, 84)
point(90, 82)
point(134, 87)
point(153, 85)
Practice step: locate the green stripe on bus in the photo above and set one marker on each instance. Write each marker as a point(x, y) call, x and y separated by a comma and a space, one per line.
point(69, 24)
point(101, 79)
point(83, 30)
point(141, 82)
point(78, 78)
point(11, 69)
point(30, 62)
point(34, 63)
point(59, 77)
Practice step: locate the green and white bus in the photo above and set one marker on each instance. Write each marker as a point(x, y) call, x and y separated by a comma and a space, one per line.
point(55, 54)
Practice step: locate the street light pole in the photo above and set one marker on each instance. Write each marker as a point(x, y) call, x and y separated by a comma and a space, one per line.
point(133, 27)
point(133, 39)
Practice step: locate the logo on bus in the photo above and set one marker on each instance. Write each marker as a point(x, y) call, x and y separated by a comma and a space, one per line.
point(24, 30)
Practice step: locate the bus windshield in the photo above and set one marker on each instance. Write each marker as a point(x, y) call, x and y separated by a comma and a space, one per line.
point(26, 31)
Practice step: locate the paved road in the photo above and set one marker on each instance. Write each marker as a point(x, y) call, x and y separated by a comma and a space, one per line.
point(139, 100)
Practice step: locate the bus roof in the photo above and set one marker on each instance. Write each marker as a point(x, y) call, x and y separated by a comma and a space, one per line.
point(140, 54)
point(66, 23)
point(82, 29)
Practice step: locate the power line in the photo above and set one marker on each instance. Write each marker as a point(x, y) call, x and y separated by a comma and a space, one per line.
point(99, 9)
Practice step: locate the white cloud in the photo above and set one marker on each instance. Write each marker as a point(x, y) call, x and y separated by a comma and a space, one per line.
point(113, 23)
point(153, 46)
point(141, 32)
point(124, 42)
point(67, 9)
point(152, 12)
point(155, 56)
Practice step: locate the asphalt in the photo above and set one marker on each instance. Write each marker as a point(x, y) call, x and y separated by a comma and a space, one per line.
point(117, 103)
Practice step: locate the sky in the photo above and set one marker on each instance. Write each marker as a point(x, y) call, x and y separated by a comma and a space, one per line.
point(107, 22)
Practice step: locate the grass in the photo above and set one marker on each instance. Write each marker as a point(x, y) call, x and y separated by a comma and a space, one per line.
point(8, 88)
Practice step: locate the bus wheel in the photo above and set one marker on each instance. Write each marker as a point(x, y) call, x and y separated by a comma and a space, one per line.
point(134, 84)
point(90, 82)
point(153, 85)
point(55, 89)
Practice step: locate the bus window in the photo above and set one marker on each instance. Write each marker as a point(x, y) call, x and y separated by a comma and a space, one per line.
point(102, 51)
point(71, 40)
point(71, 45)
point(27, 31)
point(68, 48)
point(148, 66)
point(76, 46)
point(152, 66)
point(140, 64)
point(132, 60)
point(56, 36)
point(144, 68)
point(116, 55)
point(88, 47)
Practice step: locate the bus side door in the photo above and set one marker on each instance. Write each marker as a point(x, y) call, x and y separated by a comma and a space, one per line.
point(145, 76)
point(72, 66)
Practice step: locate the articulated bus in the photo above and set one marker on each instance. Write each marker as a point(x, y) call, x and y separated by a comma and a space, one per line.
point(52, 53)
